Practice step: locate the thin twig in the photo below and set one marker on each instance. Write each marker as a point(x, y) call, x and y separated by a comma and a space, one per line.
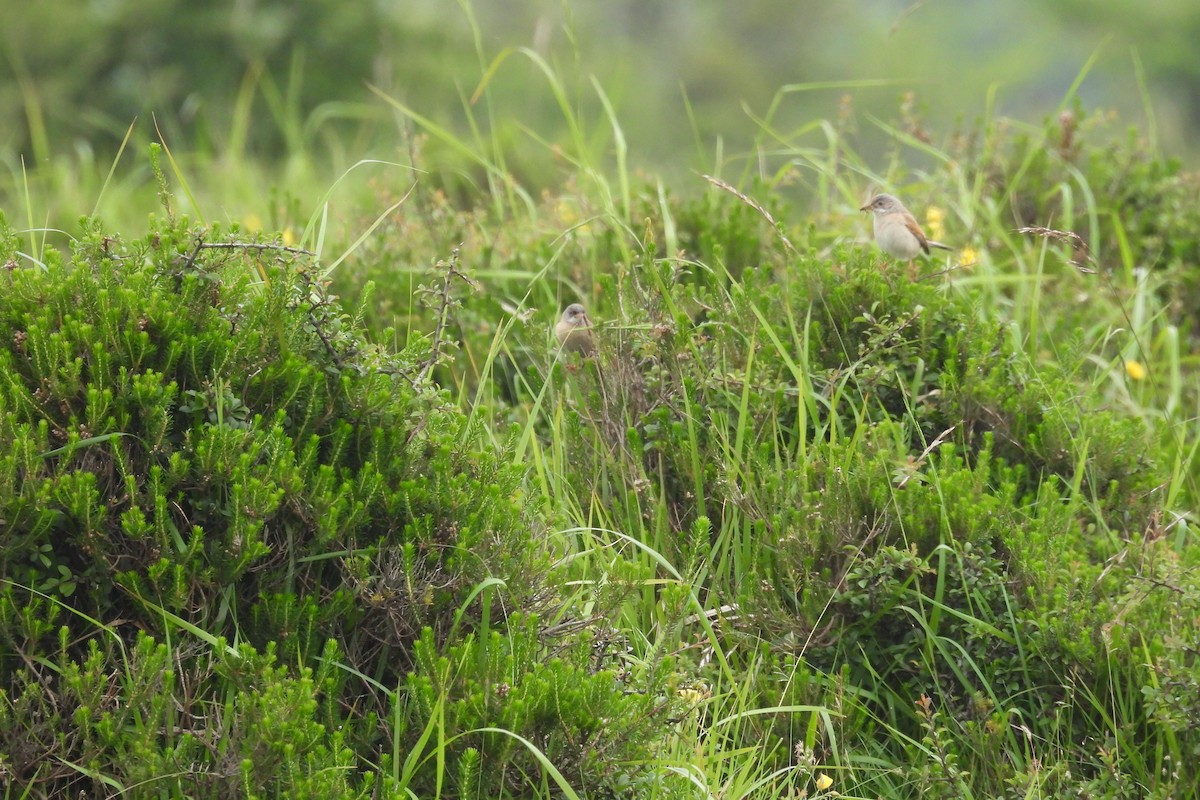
point(190, 261)
point(908, 12)
point(941, 272)
point(444, 304)
point(253, 246)
point(329, 348)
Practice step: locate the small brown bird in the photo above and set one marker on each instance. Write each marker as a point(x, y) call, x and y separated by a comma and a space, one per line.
point(574, 332)
point(896, 230)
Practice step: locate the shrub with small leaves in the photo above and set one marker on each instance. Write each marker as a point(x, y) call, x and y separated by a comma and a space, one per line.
point(573, 708)
point(203, 447)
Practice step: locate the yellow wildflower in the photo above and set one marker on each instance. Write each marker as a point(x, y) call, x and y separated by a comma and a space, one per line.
point(252, 223)
point(824, 782)
point(1135, 370)
point(694, 694)
point(568, 214)
point(934, 217)
point(968, 257)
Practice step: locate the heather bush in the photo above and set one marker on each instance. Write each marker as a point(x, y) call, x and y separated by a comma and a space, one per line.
point(203, 448)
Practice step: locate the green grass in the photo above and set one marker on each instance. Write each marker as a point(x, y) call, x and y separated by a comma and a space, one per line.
point(920, 538)
point(701, 515)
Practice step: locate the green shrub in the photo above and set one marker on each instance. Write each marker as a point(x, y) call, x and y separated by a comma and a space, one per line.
point(204, 432)
point(896, 491)
point(1132, 207)
point(136, 718)
point(202, 444)
point(577, 716)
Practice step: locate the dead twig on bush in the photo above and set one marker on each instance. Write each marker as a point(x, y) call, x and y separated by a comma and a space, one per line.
point(445, 301)
point(190, 261)
point(300, 251)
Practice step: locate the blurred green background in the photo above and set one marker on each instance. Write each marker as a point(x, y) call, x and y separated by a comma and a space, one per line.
point(269, 78)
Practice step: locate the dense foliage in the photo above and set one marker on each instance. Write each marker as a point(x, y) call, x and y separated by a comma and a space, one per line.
point(926, 529)
point(237, 537)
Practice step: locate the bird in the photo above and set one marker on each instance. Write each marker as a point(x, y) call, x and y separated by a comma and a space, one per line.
point(896, 230)
point(574, 331)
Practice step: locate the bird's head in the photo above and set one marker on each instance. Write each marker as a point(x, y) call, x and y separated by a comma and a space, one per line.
point(882, 204)
point(576, 315)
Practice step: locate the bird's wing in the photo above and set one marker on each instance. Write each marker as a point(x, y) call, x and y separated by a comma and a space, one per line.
point(912, 225)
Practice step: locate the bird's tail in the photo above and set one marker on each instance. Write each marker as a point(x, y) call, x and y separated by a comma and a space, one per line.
point(938, 245)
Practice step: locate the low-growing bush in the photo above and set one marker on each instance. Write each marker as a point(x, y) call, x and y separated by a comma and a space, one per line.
point(202, 447)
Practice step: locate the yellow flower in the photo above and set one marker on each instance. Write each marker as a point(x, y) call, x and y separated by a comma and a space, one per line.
point(289, 236)
point(824, 782)
point(695, 694)
point(568, 214)
point(934, 217)
point(252, 223)
point(1135, 370)
point(968, 257)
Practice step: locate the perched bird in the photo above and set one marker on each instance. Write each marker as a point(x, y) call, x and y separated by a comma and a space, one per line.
point(574, 331)
point(896, 231)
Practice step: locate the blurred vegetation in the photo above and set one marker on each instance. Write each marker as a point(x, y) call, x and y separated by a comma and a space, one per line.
point(682, 75)
point(298, 497)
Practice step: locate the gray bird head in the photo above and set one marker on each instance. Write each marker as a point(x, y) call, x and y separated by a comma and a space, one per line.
point(882, 204)
point(575, 314)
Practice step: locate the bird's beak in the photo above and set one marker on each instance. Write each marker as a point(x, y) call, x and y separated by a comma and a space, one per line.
point(867, 207)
